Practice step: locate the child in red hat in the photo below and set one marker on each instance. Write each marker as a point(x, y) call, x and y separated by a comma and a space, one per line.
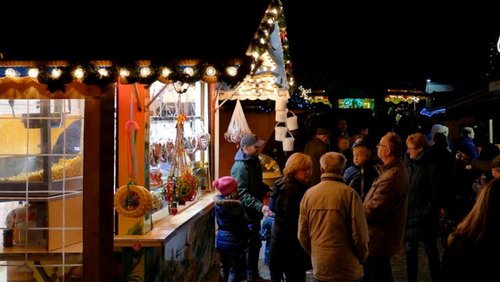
point(232, 230)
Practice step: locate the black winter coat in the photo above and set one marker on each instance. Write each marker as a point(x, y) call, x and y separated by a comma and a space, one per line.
point(423, 197)
point(285, 249)
point(232, 232)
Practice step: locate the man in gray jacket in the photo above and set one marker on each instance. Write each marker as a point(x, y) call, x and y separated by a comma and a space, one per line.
point(332, 225)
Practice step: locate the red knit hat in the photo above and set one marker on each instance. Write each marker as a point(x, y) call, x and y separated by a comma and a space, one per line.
point(225, 185)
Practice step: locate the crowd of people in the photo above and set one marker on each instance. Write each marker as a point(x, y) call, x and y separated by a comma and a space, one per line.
point(344, 210)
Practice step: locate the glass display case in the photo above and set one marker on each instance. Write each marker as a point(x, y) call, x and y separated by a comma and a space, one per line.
point(41, 171)
point(178, 144)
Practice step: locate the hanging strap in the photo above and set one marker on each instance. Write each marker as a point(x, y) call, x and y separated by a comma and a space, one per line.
point(132, 128)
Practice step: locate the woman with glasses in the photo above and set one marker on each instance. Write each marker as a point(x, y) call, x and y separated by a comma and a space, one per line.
point(423, 206)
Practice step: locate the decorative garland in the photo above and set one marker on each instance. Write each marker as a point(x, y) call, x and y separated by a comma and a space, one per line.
point(92, 72)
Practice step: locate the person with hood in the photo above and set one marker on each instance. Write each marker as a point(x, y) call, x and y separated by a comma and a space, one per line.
point(247, 171)
point(437, 128)
point(286, 256)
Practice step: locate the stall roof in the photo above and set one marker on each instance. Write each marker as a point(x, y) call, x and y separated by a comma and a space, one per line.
point(208, 30)
point(188, 41)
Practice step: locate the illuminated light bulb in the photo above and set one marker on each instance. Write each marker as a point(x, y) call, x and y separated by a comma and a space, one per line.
point(144, 72)
point(262, 40)
point(78, 73)
point(10, 72)
point(33, 72)
point(232, 71)
point(124, 72)
point(165, 72)
point(270, 21)
point(103, 72)
point(210, 71)
point(189, 71)
point(255, 54)
point(56, 73)
point(274, 11)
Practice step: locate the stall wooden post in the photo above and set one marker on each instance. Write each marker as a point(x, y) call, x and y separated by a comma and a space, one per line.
point(131, 101)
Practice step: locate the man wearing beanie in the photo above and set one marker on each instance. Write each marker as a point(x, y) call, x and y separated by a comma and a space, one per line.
point(248, 173)
point(232, 230)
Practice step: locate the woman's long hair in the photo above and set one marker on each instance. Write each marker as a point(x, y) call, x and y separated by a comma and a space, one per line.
point(481, 221)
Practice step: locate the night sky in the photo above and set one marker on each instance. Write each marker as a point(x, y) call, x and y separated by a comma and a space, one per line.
point(392, 45)
point(367, 45)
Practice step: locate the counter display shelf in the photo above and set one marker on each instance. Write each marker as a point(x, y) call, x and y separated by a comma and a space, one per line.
point(18, 191)
point(178, 248)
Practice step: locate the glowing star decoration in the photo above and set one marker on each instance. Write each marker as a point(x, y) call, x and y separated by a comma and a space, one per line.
point(304, 92)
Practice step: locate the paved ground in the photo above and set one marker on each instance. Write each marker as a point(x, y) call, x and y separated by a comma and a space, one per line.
point(398, 264)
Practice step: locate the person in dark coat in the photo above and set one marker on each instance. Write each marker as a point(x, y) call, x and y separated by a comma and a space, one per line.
point(473, 247)
point(315, 149)
point(446, 183)
point(247, 171)
point(68, 142)
point(286, 255)
point(232, 231)
point(423, 199)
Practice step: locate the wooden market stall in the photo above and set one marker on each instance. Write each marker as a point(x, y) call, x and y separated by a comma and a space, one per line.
point(108, 208)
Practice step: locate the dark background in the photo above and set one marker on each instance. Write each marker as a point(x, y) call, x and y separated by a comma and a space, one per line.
point(369, 45)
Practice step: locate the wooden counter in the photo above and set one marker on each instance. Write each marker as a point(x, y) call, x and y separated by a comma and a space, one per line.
point(165, 228)
point(179, 247)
